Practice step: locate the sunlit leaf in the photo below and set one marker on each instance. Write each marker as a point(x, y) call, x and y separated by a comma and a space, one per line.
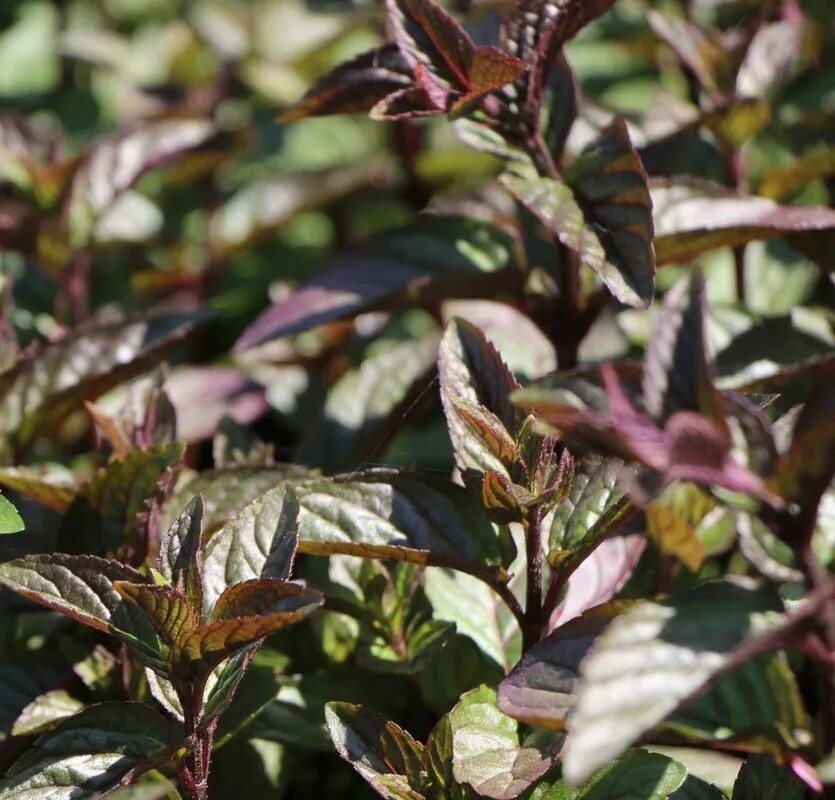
point(487, 753)
point(693, 217)
point(626, 682)
point(10, 521)
point(259, 542)
point(476, 385)
point(387, 515)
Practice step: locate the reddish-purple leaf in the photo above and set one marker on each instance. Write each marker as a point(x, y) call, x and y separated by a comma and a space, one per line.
point(599, 578)
point(356, 85)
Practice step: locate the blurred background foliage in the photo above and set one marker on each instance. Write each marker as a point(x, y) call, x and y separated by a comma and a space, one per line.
point(240, 209)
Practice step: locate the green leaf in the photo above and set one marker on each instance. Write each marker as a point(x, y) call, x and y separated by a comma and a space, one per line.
point(421, 644)
point(110, 511)
point(438, 760)
point(477, 612)
point(384, 514)
point(487, 754)
point(637, 773)
point(476, 385)
point(260, 542)
point(693, 217)
point(761, 779)
point(180, 560)
point(91, 751)
point(10, 521)
point(259, 211)
point(602, 212)
point(38, 392)
point(45, 711)
point(386, 756)
point(257, 689)
point(361, 405)
point(806, 469)
point(652, 660)
point(116, 163)
point(595, 504)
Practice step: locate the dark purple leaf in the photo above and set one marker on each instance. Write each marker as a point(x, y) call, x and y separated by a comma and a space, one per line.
point(414, 260)
point(356, 85)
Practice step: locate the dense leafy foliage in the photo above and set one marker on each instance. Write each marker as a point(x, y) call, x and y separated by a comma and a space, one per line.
point(476, 441)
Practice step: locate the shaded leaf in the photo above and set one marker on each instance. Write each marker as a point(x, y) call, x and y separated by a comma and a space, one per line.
point(91, 751)
point(435, 251)
point(109, 512)
point(422, 643)
point(677, 375)
point(626, 685)
point(761, 779)
point(386, 756)
point(361, 405)
point(43, 388)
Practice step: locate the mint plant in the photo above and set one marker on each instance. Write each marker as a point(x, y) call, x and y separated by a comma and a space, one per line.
point(475, 441)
